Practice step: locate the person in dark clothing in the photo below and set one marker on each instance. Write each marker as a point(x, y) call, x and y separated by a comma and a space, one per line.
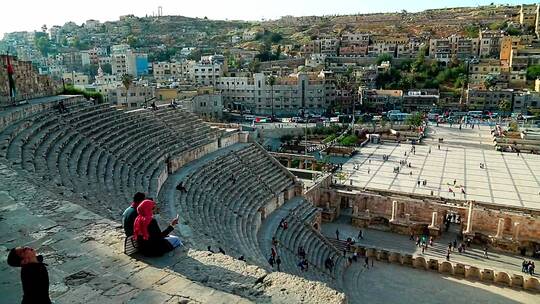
point(34, 275)
point(130, 214)
point(180, 187)
point(271, 261)
point(153, 241)
point(278, 263)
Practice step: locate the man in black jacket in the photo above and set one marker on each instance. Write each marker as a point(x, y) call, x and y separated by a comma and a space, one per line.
point(34, 275)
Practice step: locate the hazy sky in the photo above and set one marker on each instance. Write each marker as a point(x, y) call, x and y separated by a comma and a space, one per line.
point(19, 15)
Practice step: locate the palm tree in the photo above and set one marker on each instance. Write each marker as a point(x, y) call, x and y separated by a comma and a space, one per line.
point(127, 80)
point(271, 82)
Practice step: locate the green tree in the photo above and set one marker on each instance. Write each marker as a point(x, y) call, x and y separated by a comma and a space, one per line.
point(127, 80)
point(533, 72)
point(384, 57)
point(490, 81)
point(254, 66)
point(349, 140)
point(472, 31)
point(107, 68)
point(505, 106)
point(415, 120)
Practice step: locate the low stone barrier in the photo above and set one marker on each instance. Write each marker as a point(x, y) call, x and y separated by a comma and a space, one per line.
point(472, 273)
point(517, 281)
point(459, 269)
point(531, 284)
point(382, 255)
point(487, 275)
point(433, 264)
point(419, 262)
point(446, 267)
point(394, 257)
point(502, 277)
point(407, 259)
point(371, 252)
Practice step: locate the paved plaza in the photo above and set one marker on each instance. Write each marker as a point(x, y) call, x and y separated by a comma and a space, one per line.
point(385, 283)
point(507, 178)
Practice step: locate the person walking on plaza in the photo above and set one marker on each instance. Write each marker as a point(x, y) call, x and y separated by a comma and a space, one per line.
point(366, 262)
point(34, 275)
point(278, 263)
point(337, 234)
point(448, 255)
point(486, 252)
point(360, 234)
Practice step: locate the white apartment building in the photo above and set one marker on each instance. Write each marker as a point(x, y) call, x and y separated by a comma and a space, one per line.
point(444, 49)
point(137, 95)
point(490, 43)
point(287, 97)
point(208, 106)
point(205, 73)
point(164, 71)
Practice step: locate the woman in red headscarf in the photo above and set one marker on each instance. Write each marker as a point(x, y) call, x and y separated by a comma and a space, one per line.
point(153, 241)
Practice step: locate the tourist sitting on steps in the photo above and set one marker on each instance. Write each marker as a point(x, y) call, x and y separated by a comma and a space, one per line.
point(130, 214)
point(34, 275)
point(153, 241)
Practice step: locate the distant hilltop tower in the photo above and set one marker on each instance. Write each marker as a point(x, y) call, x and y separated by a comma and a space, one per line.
point(160, 11)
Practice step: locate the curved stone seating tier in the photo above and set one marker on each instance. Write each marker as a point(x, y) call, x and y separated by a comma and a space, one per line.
point(264, 171)
point(300, 233)
point(225, 209)
point(98, 152)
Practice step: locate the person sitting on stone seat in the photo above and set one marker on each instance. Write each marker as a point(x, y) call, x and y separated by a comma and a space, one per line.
point(34, 275)
point(130, 214)
point(153, 241)
point(180, 187)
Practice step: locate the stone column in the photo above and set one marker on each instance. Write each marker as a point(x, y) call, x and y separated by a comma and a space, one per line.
point(434, 219)
point(469, 218)
point(515, 234)
point(289, 163)
point(301, 164)
point(500, 228)
point(394, 211)
point(313, 165)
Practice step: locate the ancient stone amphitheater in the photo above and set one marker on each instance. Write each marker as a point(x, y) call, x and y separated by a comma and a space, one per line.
point(66, 178)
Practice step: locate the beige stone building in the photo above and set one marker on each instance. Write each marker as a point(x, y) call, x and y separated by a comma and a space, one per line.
point(287, 96)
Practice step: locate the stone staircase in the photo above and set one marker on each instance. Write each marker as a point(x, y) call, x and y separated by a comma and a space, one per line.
point(301, 233)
